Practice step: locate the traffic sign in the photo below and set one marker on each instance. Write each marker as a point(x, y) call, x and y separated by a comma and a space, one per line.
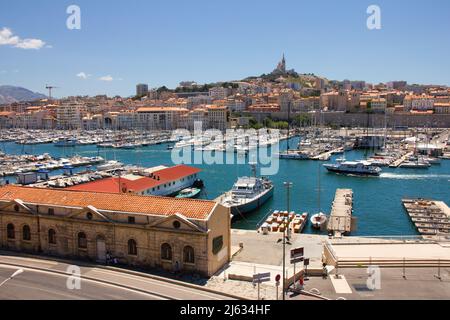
point(277, 278)
point(299, 252)
point(306, 262)
point(297, 260)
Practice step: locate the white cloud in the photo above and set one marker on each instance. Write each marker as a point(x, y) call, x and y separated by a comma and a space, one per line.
point(106, 78)
point(7, 38)
point(83, 75)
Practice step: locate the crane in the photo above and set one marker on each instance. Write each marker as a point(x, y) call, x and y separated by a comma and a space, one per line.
point(50, 88)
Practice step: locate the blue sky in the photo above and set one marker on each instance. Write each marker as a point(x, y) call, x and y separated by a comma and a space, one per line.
point(165, 42)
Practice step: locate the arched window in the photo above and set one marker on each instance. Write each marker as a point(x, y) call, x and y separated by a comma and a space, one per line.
point(82, 241)
point(51, 236)
point(26, 233)
point(188, 255)
point(166, 252)
point(132, 247)
point(10, 231)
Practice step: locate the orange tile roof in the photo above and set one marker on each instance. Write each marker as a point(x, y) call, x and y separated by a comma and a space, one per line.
point(111, 185)
point(161, 109)
point(192, 209)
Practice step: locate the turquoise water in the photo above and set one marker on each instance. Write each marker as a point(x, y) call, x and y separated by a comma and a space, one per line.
point(377, 200)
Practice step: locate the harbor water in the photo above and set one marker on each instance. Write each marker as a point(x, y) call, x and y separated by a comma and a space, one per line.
point(377, 200)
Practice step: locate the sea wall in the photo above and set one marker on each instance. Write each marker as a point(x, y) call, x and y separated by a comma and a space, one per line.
point(378, 120)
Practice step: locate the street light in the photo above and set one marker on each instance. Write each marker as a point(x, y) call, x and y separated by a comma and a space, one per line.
point(288, 186)
point(15, 274)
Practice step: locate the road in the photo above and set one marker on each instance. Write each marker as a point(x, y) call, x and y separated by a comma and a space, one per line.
point(38, 285)
point(47, 280)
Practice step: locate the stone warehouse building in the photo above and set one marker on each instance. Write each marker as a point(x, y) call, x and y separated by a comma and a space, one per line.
point(174, 234)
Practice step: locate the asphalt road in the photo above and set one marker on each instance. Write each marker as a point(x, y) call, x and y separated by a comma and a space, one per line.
point(37, 285)
point(47, 280)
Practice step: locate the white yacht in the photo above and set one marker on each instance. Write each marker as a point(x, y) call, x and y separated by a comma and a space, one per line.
point(110, 165)
point(354, 167)
point(248, 194)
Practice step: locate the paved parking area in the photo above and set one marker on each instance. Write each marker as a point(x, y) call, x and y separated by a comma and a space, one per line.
point(418, 284)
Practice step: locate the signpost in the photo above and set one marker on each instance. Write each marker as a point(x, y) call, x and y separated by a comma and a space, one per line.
point(277, 283)
point(306, 264)
point(297, 255)
point(260, 278)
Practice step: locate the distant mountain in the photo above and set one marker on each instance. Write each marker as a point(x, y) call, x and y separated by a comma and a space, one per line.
point(10, 94)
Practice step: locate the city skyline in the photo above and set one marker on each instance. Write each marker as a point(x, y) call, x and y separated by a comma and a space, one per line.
point(151, 44)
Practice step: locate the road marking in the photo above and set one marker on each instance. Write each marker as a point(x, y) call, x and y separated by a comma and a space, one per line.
point(158, 282)
point(341, 285)
point(99, 282)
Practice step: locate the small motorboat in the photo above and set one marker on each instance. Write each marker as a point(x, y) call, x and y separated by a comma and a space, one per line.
point(319, 220)
point(189, 193)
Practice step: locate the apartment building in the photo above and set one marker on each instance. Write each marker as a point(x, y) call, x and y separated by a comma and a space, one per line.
point(418, 103)
point(219, 93)
point(217, 117)
point(160, 118)
point(69, 115)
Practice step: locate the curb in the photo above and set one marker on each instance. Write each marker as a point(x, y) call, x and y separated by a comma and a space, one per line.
point(89, 278)
point(126, 271)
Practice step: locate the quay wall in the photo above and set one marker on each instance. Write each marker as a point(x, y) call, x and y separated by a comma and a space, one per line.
point(377, 120)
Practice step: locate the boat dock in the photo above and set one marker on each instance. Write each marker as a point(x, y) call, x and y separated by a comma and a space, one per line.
point(399, 161)
point(340, 222)
point(327, 155)
point(431, 218)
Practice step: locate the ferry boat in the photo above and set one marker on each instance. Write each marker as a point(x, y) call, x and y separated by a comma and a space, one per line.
point(248, 194)
point(354, 167)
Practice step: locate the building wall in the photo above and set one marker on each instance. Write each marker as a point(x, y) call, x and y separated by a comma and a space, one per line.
point(148, 236)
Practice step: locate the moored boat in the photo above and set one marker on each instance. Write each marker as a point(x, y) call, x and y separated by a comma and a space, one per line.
point(188, 193)
point(319, 220)
point(248, 194)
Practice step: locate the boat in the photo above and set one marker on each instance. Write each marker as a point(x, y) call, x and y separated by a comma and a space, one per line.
point(354, 167)
point(319, 220)
point(63, 142)
point(248, 194)
point(110, 165)
point(189, 193)
point(294, 155)
point(415, 165)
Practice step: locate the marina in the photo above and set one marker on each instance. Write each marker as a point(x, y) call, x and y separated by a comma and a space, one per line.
point(393, 184)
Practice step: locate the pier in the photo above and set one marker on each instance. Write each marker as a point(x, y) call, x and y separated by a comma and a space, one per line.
point(340, 222)
point(327, 155)
point(431, 218)
point(400, 160)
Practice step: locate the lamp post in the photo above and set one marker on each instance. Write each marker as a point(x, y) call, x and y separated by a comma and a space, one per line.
point(15, 274)
point(288, 186)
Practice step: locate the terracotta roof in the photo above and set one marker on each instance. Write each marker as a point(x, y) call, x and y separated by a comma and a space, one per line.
point(192, 209)
point(111, 185)
point(161, 109)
